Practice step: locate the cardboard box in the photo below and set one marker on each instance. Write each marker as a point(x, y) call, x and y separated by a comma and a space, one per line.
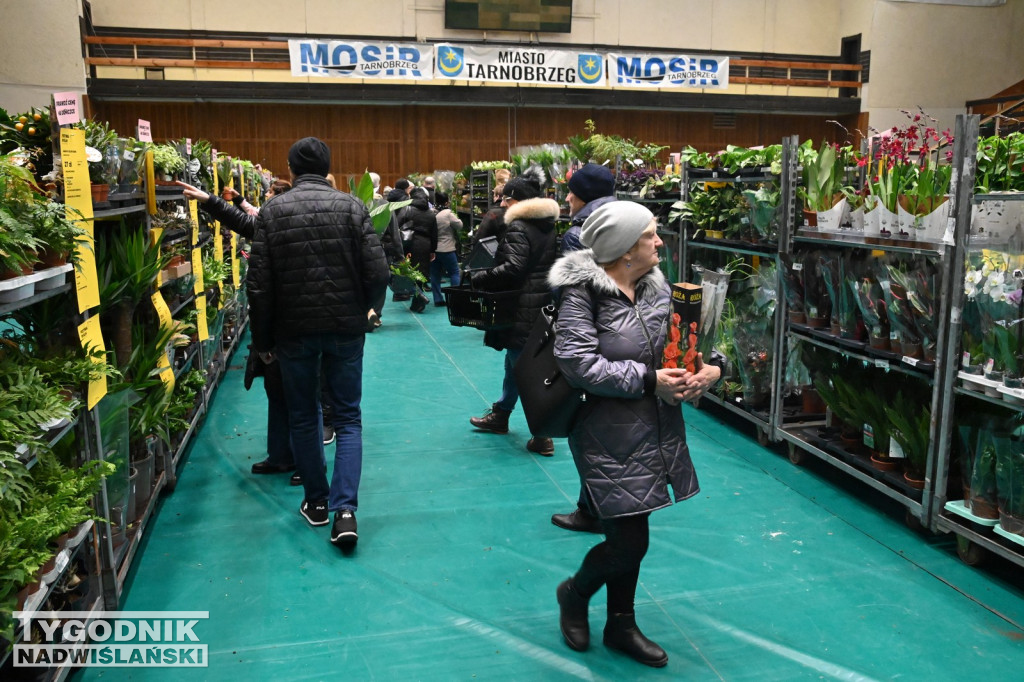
point(683, 326)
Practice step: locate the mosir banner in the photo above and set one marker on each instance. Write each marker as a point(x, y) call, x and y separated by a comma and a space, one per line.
point(519, 65)
point(668, 71)
point(351, 59)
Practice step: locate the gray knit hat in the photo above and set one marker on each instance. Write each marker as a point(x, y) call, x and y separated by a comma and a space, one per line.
point(614, 228)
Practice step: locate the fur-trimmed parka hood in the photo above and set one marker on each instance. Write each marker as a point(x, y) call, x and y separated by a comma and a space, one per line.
point(579, 267)
point(532, 209)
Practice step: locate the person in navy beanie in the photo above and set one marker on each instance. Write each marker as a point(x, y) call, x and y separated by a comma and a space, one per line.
point(316, 264)
point(590, 188)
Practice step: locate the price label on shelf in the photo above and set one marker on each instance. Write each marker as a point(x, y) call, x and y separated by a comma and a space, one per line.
point(91, 338)
point(78, 197)
point(882, 364)
point(201, 324)
point(162, 311)
point(910, 361)
point(234, 260)
point(197, 270)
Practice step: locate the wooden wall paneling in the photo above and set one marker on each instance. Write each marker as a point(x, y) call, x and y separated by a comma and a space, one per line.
point(394, 141)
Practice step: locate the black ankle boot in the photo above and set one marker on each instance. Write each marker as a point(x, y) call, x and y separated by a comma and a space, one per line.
point(621, 633)
point(573, 616)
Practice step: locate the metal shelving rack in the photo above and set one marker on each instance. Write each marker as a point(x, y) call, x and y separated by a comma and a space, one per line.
point(763, 420)
point(975, 536)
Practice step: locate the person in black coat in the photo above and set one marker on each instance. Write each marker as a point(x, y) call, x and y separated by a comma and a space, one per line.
point(316, 264)
point(421, 221)
point(522, 262)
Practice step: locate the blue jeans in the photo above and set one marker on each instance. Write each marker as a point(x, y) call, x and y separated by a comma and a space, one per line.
point(444, 263)
point(342, 371)
point(509, 390)
point(279, 450)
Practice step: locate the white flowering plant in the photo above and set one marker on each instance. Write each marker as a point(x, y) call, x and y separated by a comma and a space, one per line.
point(994, 313)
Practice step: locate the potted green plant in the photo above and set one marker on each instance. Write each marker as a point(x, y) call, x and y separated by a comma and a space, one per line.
point(1010, 484)
point(167, 161)
point(824, 172)
point(910, 422)
point(59, 237)
point(764, 206)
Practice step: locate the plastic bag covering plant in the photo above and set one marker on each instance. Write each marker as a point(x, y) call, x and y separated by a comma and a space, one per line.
point(817, 303)
point(993, 318)
point(914, 290)
point(870, 300)
point(898, 309)
point(793, 282)
point(984, 487)
point(834, 267)
point(764, 206)
point(1000, 164)
point(1010, 482)
point(714, 287)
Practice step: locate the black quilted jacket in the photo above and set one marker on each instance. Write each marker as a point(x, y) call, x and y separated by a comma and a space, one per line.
point(316, 264)
point(627, 446)
point(522, 262)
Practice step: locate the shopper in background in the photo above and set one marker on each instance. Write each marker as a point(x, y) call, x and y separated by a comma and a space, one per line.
point(430, 185)
point(629, 440)
point(391, 240)
point(493, 222)
point(375, 179)
point(446, 260)
point(419, 220)
point(315, 265)
point(522, 261)
point(590, 188)
point(331, 181)
point(399, 193)
point(280, 458)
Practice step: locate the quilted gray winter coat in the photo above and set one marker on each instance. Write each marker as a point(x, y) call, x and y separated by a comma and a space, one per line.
point(627, 443)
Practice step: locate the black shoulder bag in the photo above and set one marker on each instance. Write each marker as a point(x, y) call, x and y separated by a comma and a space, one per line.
point(549, 402)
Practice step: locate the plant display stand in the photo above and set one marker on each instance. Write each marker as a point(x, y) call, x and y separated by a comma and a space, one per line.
point(747, 390)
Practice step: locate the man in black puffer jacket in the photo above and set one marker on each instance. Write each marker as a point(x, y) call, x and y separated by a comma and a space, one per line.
point(316, 264)
point(522, 262)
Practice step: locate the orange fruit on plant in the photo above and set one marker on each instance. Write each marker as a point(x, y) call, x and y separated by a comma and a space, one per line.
point(18, 126)
point(23, 119)
point(36, 117)
point(32, 131)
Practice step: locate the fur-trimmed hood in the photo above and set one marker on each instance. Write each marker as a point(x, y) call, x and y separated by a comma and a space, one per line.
point(532, 209)
point(579, 267)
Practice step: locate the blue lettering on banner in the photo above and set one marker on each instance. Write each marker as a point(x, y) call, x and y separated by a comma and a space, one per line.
point(371, 60)
point(678, 70)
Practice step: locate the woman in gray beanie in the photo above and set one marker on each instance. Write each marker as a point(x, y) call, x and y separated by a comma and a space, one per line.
point(629, 440)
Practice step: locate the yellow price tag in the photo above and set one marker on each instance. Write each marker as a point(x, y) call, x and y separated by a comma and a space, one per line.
point(166, 372)
point(78, 197)
point(91, 338)
point(218, 243)
point(193, 210)
point(197, 270)
point(150, 184)
point(162, 311)
point(234, 260)
point(201, 323)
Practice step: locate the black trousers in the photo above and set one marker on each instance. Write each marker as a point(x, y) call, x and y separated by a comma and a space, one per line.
point(615, 563)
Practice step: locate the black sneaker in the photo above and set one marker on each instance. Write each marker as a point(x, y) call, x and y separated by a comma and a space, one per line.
point(315, 512)
point(328, 435)
point(344, 532)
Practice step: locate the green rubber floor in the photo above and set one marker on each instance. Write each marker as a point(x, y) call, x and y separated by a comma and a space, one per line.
point(773, 572)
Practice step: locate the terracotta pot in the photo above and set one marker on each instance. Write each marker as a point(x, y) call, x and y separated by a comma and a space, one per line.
point(810, 218)
point(896, 346)
point(879, 342)
point(812, 402)
point(797, 317)
point(883, 462)
point(835, 328)
point(52, 259)
point(1010, 523)
point(915, 483)
point(100, 193)
point(911, 350)
point(983, 508)
point(817, 322)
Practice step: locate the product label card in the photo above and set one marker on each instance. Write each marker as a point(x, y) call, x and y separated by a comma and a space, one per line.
point(66, 106)
point(91, 338)
point(145, 134)
point(201, 323)
point(78, 201)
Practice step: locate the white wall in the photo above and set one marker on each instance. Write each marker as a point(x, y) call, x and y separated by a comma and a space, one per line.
point(933, 56)
point(40, 52)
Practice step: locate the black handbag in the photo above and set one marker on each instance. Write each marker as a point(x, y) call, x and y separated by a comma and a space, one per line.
point(549, 402)
point(254, 367)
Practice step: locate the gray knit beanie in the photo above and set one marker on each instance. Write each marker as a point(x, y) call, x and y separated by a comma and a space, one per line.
point(614, 228)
